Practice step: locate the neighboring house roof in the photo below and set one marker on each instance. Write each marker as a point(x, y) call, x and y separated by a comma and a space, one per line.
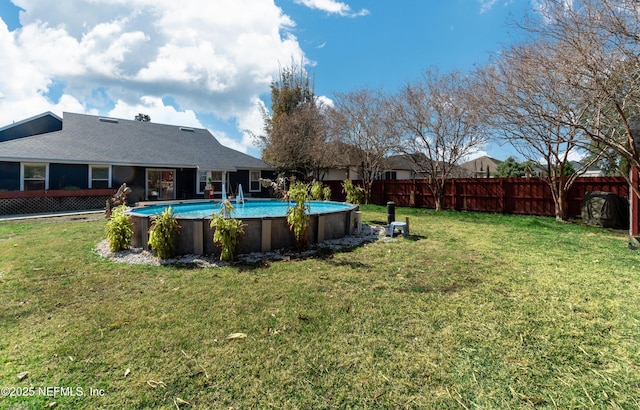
point(592, 171)
point(478, 166)
point(404, 162)
point(90, 139)
point(39, 124)
point(417, 163)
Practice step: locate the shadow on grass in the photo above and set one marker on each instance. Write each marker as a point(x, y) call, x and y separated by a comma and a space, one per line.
point(322, 251)
point(325, 251)
point(452, 286)
point(414, 238)
point(319, 252)
point(381, 223)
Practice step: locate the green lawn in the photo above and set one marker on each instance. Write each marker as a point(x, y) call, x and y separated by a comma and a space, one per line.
point(471, 311)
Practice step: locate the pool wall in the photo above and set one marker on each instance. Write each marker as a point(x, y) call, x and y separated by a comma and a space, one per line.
point(261, 234)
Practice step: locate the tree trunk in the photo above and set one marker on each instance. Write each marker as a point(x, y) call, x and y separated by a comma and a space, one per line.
point(367, 191)
point(438, 201)
point(560, 204)
point(559, 193)
point(437, 190)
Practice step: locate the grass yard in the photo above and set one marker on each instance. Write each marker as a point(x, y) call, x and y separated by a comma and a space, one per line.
point(471, 311)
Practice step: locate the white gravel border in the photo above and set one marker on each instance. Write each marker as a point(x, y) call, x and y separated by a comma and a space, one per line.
point(138, 256)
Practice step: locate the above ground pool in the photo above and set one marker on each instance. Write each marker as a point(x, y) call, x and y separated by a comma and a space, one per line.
point(250, 208)
point(266, 226)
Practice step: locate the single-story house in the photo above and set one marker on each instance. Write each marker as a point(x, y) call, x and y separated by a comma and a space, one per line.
point(414, 166)
point(481, 167)
point(590, 172)
point(156, 161)
point(403, 166)
point(394, 167)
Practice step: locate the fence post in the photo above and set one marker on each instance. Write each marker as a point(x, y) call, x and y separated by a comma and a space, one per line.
point(503, 194)
point(458, 201)
point(634, 203)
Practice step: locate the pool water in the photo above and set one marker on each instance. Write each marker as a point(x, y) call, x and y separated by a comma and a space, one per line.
point(251, 208)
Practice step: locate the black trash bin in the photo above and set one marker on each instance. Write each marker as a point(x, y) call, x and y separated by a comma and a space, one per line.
point(391, 212)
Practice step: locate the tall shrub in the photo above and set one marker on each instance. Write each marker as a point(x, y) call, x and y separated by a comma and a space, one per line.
point(355, 194)
point(316, 190)
point(227, 231)
point(298, 214)
point(119, 229)
point(320, 192)
point(164, 233)
point(326, 193)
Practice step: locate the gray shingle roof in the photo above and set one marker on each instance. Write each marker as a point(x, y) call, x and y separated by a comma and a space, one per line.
point(97, 140)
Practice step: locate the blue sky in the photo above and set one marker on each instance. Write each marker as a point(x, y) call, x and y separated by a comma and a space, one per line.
point(210, 64)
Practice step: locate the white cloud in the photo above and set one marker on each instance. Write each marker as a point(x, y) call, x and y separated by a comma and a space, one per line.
point(546, 12)
point(215, 58)
point(325, 101)
point(576, 155)
point(159, 113)
point(252, 124)
point(333, 7)
point(23, 84)
point(227, 141)
point(486, 5)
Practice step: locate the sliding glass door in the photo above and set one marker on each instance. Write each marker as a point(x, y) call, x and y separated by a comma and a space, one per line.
point(161, 184)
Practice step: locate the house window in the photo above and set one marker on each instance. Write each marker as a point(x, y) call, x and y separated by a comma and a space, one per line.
point(390, 175)
point(216, 180)
point(99, 176)
point(203, 181)
point(161, 184)
point(254, 181)
point(35, 177)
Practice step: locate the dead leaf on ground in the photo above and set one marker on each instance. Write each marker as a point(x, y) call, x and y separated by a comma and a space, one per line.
point(126, 372)
point(50, 405)
point(154, 383)
point(23, 375)
point(118, 324)
point(234, 336)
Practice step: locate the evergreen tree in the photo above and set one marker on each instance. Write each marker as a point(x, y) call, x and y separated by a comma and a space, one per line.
point(294, 139)
point(510, 168)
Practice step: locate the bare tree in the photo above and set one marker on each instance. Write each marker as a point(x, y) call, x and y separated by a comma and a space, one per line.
point(362, 120)
point(599, 41)
point(533, 107)
point(325, 154)
point(440, 125)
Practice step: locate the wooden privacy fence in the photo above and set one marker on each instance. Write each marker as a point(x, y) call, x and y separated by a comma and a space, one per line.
point(526, 196)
